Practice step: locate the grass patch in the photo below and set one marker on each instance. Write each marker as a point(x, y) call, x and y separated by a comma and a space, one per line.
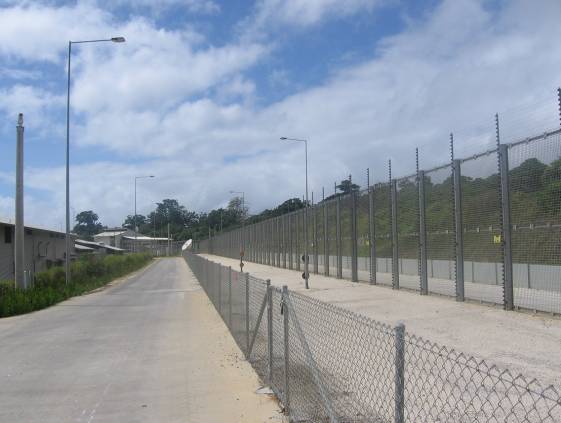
point(87, 274)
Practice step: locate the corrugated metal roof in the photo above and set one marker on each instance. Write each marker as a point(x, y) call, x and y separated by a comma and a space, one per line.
point(111, 233)
point(9, 222)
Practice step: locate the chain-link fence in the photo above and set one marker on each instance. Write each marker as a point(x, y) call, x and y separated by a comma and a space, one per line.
point(328, 364)
point(485, 228)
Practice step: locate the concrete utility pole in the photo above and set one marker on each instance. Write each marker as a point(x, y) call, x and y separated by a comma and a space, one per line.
point(19, 231)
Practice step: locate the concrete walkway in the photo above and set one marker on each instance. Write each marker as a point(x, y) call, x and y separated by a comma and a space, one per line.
point(150, 348)
point(524, 343)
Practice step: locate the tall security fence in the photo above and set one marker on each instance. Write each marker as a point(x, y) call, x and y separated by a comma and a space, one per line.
point(484, 228)
point(328, 364)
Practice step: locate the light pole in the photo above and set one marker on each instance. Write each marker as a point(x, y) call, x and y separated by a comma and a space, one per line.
point(135, 221)
point(306, 258)
point(243, 225)
point(67, 258)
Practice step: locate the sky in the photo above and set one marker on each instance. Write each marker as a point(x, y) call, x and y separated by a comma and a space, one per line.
point(202, 90)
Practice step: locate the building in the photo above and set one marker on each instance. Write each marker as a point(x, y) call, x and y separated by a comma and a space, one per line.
point(43, 248)
point(126, 239)
point(113, 236)
point(91, 247)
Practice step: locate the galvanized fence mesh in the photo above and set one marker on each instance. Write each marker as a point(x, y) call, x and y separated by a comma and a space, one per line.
point(441, 237)
point(535, 195)
point(484, 228)
point(328, 364)
point(408, 233)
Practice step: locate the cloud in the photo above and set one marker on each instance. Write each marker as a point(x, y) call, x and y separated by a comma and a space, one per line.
point(35, 103)
point(192, 6)
point(273, 14)
point(173, 105)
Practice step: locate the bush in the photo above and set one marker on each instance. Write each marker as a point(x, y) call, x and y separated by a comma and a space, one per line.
point(87, 274)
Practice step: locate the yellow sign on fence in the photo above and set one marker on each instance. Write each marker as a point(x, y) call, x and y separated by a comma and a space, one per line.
point(496, 239)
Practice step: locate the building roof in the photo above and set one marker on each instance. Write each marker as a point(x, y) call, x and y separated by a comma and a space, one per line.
point(111, 233)
point(9, 222)
point(79, 247)
point(145, 238)
point(96, 245)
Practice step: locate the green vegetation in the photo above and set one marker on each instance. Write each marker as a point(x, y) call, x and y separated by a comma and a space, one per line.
point(50, 288)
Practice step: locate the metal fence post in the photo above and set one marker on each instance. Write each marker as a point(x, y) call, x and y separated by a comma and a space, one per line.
point(279, 241)
point(284, 310)
point(247, 312)
point(399, 377)
point(290, 252)
point(283, 228)
point(372, 235)
point(423, 234)
point(230, 296)
point(395, 246)
point(338, 239)
point(297, 249)
point(354, 240)
point(459, 229)
point(220, 289)
point(270, 329)
point(325, 240)
point(506, 229)
point(316, 246)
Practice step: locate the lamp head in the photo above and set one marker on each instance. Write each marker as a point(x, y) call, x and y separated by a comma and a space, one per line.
point(118, 39)
point(282, 138)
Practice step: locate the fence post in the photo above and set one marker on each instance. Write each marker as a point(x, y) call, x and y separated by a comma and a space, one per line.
point(297, 215)
point(399, 376)
point(372, 235)
point(325, 240)
point(279, 242)
point(395, 246)
point(316, 246)
point(220, 289)
point(290, 236)
point(338, 239)
point(284, 310)
point(423, 234)
point(354, 240)
point(270, 329)
point(459, 229)
point(283, 228)
point(247, 312)
point(506, 230)
point(230, 296)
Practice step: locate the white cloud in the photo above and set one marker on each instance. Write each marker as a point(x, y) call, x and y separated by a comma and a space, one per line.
point(182, 110)
point(193, 6)
point(272, 14)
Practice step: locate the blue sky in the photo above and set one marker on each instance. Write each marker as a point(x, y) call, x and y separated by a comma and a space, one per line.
point(202, 90)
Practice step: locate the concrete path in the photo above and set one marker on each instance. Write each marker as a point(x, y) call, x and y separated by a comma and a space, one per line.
point(150, 348)
point(522, 342)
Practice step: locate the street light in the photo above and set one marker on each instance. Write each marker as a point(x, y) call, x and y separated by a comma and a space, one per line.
point(306, 258)
point(67, 258)
point(135, 221)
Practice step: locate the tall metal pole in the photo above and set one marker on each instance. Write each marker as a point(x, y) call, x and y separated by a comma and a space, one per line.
point(67, 258)
point(67, 240)
point(306, 258)
point(19, 229)
point(135, 222)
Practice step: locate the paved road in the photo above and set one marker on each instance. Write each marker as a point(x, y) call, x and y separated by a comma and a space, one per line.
point(149, 349)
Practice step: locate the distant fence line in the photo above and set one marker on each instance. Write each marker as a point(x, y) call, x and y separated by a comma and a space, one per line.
point(497, 213)
point(328, 364)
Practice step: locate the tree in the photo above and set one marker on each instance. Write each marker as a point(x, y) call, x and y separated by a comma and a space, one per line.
point(346, 186)
point(236, 205)
point(130, 222)
point(87, 225)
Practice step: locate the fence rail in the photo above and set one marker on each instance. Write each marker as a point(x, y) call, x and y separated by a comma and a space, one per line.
point(496, 215)
point(328, 364)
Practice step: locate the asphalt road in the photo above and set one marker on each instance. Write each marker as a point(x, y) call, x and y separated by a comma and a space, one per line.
point(148, 349)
